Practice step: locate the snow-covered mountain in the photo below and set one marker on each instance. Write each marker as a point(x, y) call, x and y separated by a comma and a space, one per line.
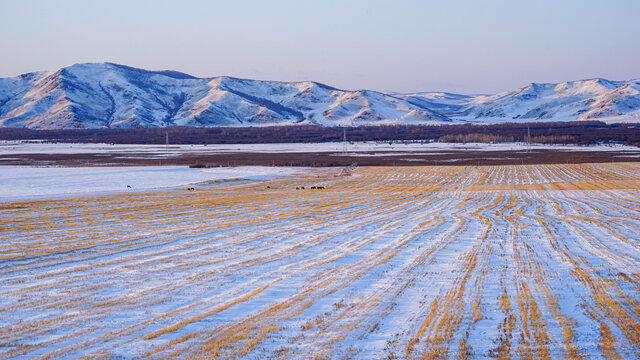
point(115, 96)
point(97, 95)
point(594, 99)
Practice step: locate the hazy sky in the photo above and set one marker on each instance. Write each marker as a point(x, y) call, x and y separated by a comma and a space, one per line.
point(466, 46)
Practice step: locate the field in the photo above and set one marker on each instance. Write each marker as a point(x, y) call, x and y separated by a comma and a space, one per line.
point(327, 154)
point(515, 261)
point(30, 183)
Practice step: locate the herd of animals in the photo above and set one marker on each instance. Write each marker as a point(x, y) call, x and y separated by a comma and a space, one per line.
point(302, 187)
point(268, 187)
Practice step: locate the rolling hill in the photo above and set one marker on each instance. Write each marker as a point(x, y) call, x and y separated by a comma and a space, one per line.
point(107, 95)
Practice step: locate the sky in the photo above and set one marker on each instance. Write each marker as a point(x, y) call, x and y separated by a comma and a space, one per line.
point(461, 46)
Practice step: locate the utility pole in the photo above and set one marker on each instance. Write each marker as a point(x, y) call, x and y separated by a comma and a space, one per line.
point(344, 142)
point(528, 139)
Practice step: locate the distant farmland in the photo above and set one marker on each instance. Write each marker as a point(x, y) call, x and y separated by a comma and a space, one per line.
point(524, 261)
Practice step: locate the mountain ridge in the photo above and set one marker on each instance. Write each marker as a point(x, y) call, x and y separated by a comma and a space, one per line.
point(589, 99)
point(109, 95)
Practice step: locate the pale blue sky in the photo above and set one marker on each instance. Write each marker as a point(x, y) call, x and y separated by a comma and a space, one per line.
point(466, 46)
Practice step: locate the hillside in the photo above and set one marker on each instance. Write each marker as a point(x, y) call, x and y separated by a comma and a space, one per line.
point(116, 96)
point(106, 95)
point(594, 99)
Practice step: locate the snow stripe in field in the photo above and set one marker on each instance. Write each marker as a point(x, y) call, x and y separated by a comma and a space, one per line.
point(535, 261)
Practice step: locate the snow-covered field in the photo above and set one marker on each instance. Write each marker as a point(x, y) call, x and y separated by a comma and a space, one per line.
point(531, 261)
point(21, 182)
point(14, 148)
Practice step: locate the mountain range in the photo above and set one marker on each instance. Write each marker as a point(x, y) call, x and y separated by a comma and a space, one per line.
point(106, 95)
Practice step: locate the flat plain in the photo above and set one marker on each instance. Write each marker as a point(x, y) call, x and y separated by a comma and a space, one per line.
point(329, 154)
point(514, 261)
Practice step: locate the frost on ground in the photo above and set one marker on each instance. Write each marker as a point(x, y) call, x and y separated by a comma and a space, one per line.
point(535, 261)
point(18, 182)
point(160, 151)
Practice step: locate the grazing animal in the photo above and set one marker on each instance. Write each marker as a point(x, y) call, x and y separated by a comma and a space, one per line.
point(302, 187)
point(128, 186)
point(313, 188)
point(321, 187)
point(297, 188)
point(268, 187)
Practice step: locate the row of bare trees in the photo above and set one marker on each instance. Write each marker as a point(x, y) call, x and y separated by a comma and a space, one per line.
point(585, 132)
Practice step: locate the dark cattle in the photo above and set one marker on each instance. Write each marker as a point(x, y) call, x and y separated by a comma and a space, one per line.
point(302, 187)
point(297, 188)
point(313, 188)
point(268, 187)
point(128, 186)
point(321, 187)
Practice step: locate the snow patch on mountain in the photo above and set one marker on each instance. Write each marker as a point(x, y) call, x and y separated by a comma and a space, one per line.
point(593, 99)
point(106, 95)
point(116, 96)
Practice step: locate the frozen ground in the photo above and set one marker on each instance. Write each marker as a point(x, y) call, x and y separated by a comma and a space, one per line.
point(18, 182)
point(526, 262)
point(12, 148)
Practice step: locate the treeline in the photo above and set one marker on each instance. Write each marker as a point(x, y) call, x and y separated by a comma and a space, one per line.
point(582, 133)
point(492, 138)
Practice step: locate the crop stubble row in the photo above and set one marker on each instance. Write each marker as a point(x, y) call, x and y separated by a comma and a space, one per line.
point(532, 261)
